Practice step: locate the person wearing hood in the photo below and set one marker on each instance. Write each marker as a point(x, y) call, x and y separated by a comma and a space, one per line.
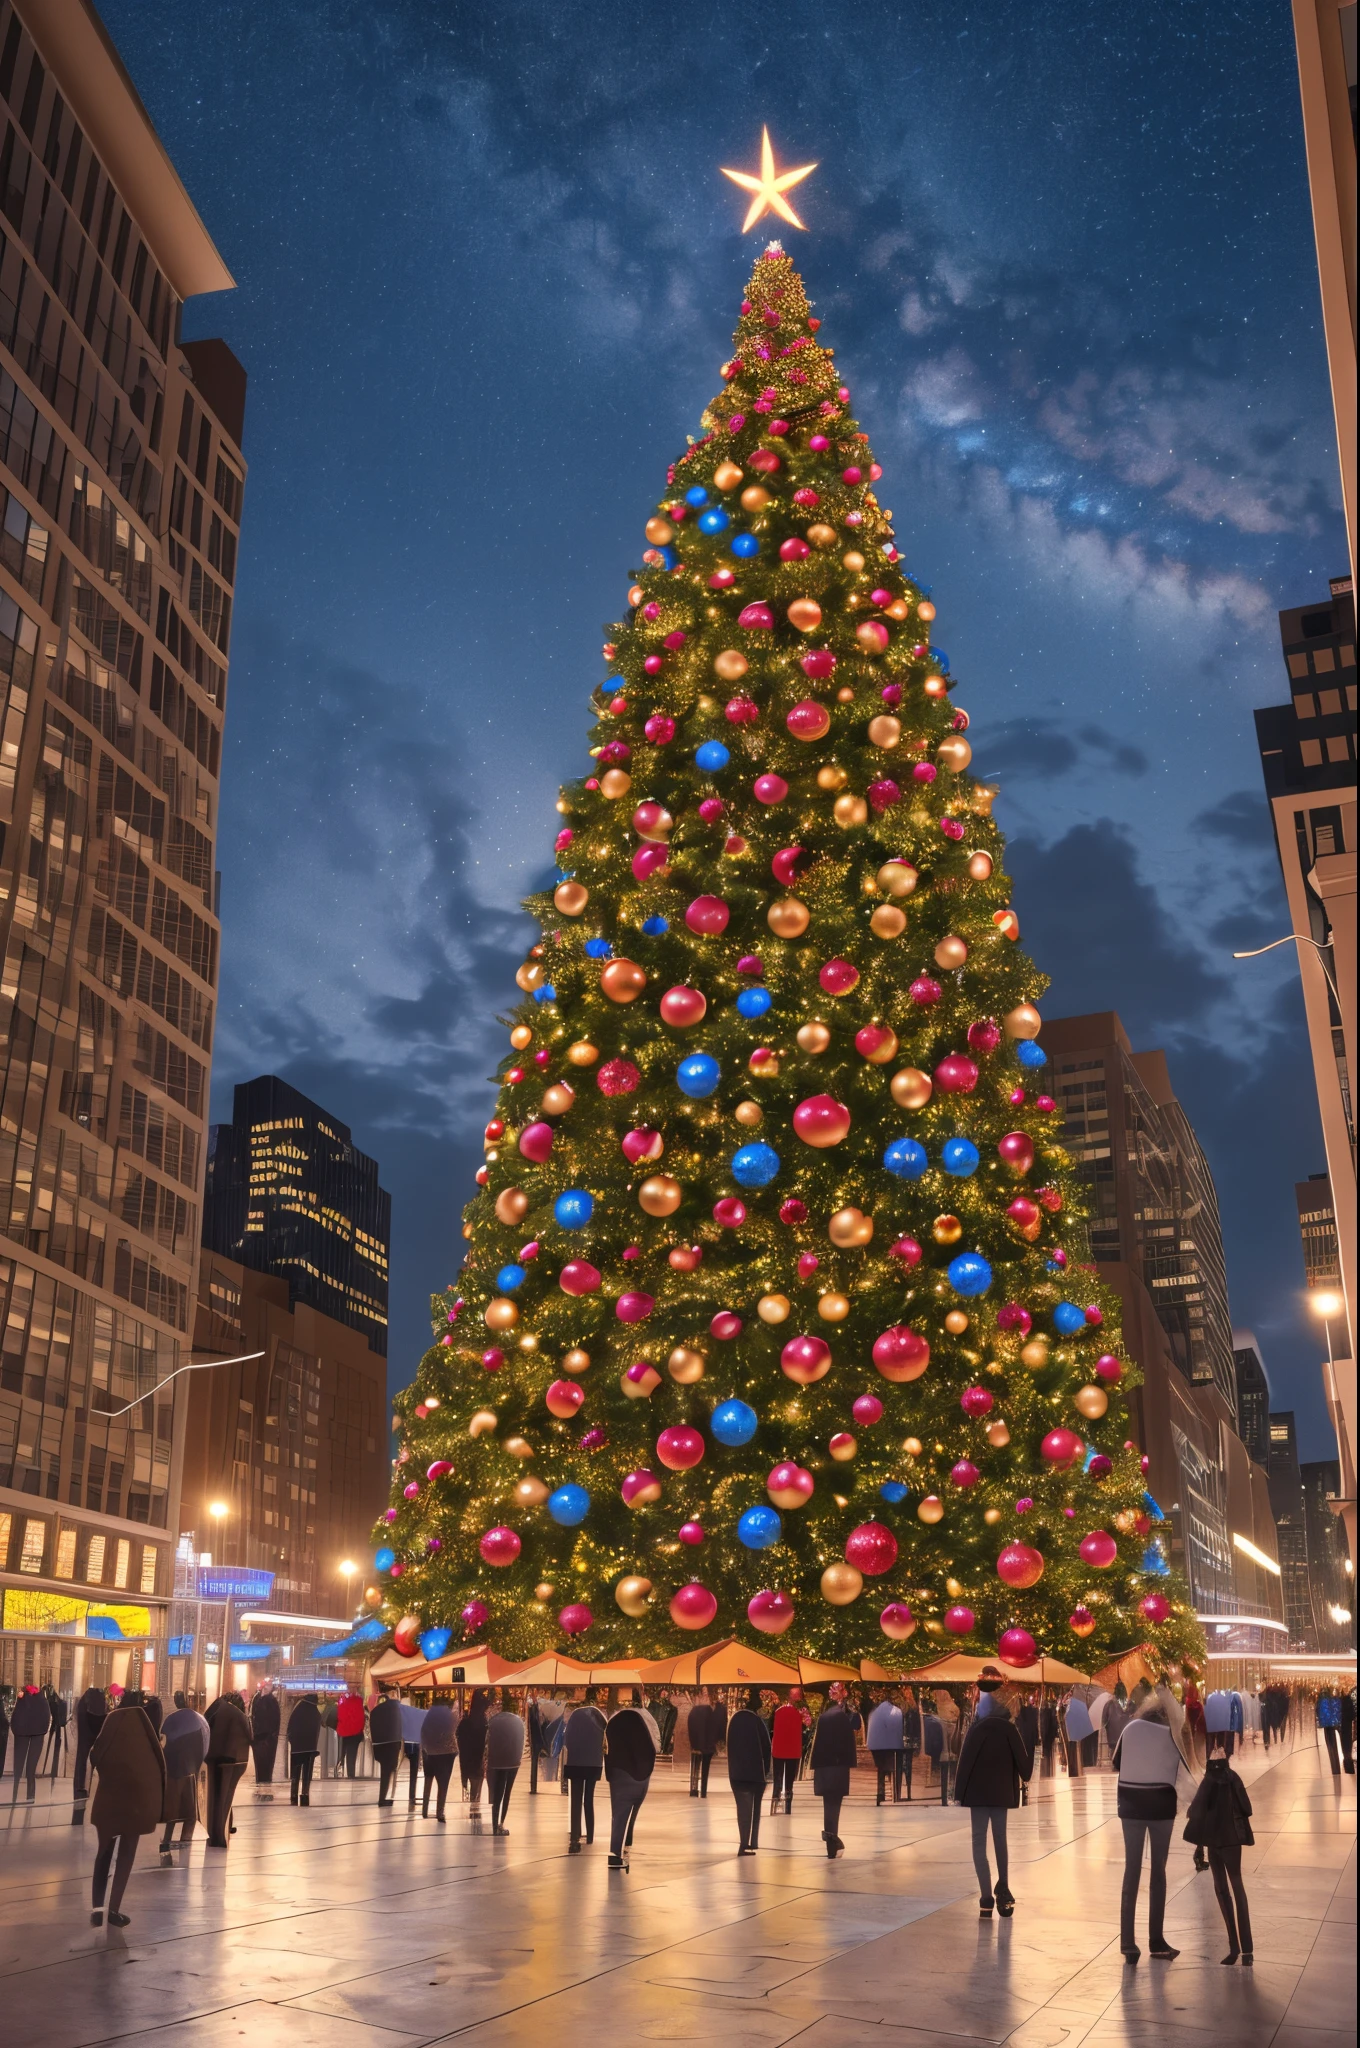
point(1219, 1820)
point(583, 1761)
point(833, 1759)
point(184, 1738)
point(472, 1753)
point(438, 1746)
point(748, 1770)
point(227, 1755)
point(384, 1730)
point(885, 1746)
point(504, 1754)
point(265, 1720)
point(28, 1726)
point(993, 1765)
point(630, 1745)
point(1149, 1763)
point(303, 1735)
point(129, 1799)
point(786, 1753)
point(701, 1732)
point(91, 1710)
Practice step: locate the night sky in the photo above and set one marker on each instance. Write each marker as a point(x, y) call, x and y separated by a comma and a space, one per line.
point(487, 270)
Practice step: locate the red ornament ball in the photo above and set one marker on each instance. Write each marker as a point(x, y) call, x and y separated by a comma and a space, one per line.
point(575, 1619)
point(634, 1307)
point(1016, 1150)
point(693, 1606)
point(956, 1075)
point(821, 1121)
point(960, 1621)
point(838, 977)
point(578, 1276)
point(965, 1474)
point(1017, 1647)
point(1061, 1447)
point(1099, 1549)
point(924, 991)
point(729, 1212)
point(897, 1621)
point(617, 1077)
point(691, 1533)
point(500, 1547)
point(770, 1612)
point(725, 1326)
point(871, 1549)
point(680, 1448)
point(475, 1617)
point(1154, 1607)
point(1020, 1566)
point(805, 1359)
point(708, 915)
point(683, 1007)
point(867, 1410)
point(1109, 1369)
point(536, 1142)
point(901, 1354)
point(976, 1401)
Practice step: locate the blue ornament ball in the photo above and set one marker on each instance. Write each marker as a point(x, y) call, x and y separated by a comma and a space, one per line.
point(669, 558)
point(574, 1208)
point(656, 926)
point(754, 1002)
point(715, 520)
point(698, 1075)
point(745, 545)
point(733, 1423)
point(1030, 1054)
point(759, 1527)
point(755, 1166)
point(598, 949)
point(712, 757)
point(546, 994)
point(969, 1274)
point(906, 1159)
point(1068, 1319)
point(509, 1278)
point(893, 1491)
point(434, 1642)
point(384, 1559)
point(696, 495)
point(960, 1158)
point(569, 1505)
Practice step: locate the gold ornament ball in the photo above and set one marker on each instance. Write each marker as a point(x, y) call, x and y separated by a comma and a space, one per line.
point(898, 608)
point(500, 1314)
point(558, 1099)
point(787, 917)
point(511, 1204)
point(731, 665)
point(804, 614)
point(820, 535)
point(614, 783)
point(373, 1596)
point(850, 1227)
point(1091, 1402)
point(833, 1308)
point(888, 922)
point(623, 981)
point(764, 1062)
point(726, 477)
point(954, 753)
point(518, 1447)
point(1125, 1521)
point(583, 1053)
point(912, 1446)
point(530, 975)
point(925, 610)
point(483, 1422)
point(659, 532)
point(956, 1322)
point(521, 1037)
point(831, 777)
point(998, 1436)
point(530, 1492)
point(773, 1308)
point(685, 1366)
point(528, 1342)
point(571, 898)
point(543, 1590)
point(897, 878)
point(576, 1361)
point(849, 811)
point(754, 498)
point(884, 731)
point(983, 799)
point(813, 1038)
point(931, 1509)
point(953, 1588)
point(980, 866)
point(853, 560)
point(750, 1114)
point(660, 1195)
point(841, 1584)
point(843, 1447)
point(951, 952)
point(911, 1089)
point(935, 686)
point(946, 1230)
point(886, 1050)
point(634, 1596)
point(991, 1516)
point(1023, 1021)
point(1035, 1353)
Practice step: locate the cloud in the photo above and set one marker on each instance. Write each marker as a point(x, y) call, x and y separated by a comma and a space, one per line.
point(1240, 819)
point(1044, 747)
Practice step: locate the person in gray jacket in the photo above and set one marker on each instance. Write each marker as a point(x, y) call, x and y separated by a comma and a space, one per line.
point(504, 1754)
point(384, 1729)
point(583, 1751)
point(1149, 1763)
point(438, 1746)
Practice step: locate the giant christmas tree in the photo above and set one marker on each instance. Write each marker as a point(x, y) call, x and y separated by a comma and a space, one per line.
point(773, 1316)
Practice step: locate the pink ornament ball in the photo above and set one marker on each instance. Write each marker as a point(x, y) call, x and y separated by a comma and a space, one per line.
point(617, 1077)
point(1095, 1316)
point(1016, 1150)
point(433, 1544)
point(964, 1474)
point(1020, 1566)
point(985, 1035)
point(641, 1144)
point(769, 789)
point(901, 1354)
point(872, 1549)
point(475, 1617)
point(1061, 1447)
point(741, 711)
point(729, 1212)
point(1100, 1467)
point(793, 1211)
point(808, 720)
point(575, 1619)
point(924, 991)
point(821, 1121)
point(805, 1359)
point(680, 1448)
point(883, 794)
point(1154, 1607)
point(711, 809)
point(956, 1075)
point(976, 1401)
point(897, 1621)
point(1014, 1319)
point(1099, 1549)
point(908, 1251)
point(725, 1326)
point(536, 1142)
point(867, 1410)
point(499, 1547)
point(924, 771)
point(790, 1485)
point(563, 1398)
point(818, 664)
point(1017, 1648)
point(808, 1263)
point(683, 1008)
point(838, 977)
point(640, 1489)
point(960, 1621)
point(659, 729)
point(756, 618)
point(389, 1514)
point(411, 1492)
point(691, 1533)
point(771, 1612)
point(578, 1276)
point(708, 915)
point(693, 1606)
point(1109, 1369)
point(634, 1307)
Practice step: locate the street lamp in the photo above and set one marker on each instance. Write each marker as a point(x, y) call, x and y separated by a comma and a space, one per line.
point(218, 1511)
point(348, 1568)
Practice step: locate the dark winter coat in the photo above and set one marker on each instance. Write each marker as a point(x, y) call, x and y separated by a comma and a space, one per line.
point(154, 1711)
point(504, 1742)
point(304, 1726)
point(993, 1762)
point(1027, 1727)
point(185, 1737)
point(265, 1716)
point(229, 1742)
point(933, 1730)
point(129, 1765)
point(833, 1752)
point(912, 1731)
point(702, 1730)
point(56, 1701)
point(91, 1712)
point(748, 1749)
point(583, 1738)
point(384, 1721)
point(1220, 1812)
point(629, 1749)
point(438, 1736)
point(472, 1735)
point(31, 1715)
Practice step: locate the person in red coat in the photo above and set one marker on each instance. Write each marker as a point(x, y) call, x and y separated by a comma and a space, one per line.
point(349, 1726)
point(786, 1746)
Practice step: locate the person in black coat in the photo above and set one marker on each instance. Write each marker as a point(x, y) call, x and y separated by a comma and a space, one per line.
point(265, 1721)
point(993, 1764)
point(1048, 1732)
point(582, 1763)
point(304, 1740)
point(748, 1770)
point(833, 1759)
point(1219, 1820)
point(630, 1742)
point(471, 1738)
point(91, 1708)
point(1027, 1727)
point(6, 1705)
point(228, 1751)
point(28, 1726)
point(154, 1710)
point(57, 1703)
point(701, 1728)
point(913, 1735)
point(384, 1729)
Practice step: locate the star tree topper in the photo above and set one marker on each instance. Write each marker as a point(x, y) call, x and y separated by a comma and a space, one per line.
point(769, 188)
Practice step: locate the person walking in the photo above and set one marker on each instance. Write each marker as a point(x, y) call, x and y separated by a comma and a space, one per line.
point(472, 1753)
point(384, 1730)
point(227, 1756)
point(951, 1728)
point(1327, 1713)
point(630, 1744)
point(1078, 1727)
point(28, 1726)
point(303, 1736)
point(504, 1755)
point(701, 1731)
point(993, 1764)
point(6, 1708)
point(184, 1738)
point(1149, 1764)
point(349, 1727)
point(57, 1704)
point(129, 1799)
point(1027, 1728)
point(265, 1721)
point(833, 1759)
point(1348, 1732)
point(549, 1717)
point(91, 1709)
point(748, 1770)
point(1219, 1820)
point(583, 1754)
point(438, 1745)
point(412, 1721)
point(885, 1746)
point(786, 1753)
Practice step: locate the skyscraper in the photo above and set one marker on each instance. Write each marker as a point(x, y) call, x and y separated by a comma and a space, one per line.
point(1317, 1231)
point(1253, 1397)
point(1329, 1583)
point(1286, 1498)
point(289, 1193)
point(121, 479)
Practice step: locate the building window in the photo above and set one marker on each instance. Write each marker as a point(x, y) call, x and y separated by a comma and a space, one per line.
point(1305, 705)
point(1310, 752)
point(123, 1562)
point(1298, 664)
point(94, 1561)
point(1323, 660)
point(65, 1566)
point(6, 1526)
point(1338, 748)
point(148, 1584)
point(35, 1542)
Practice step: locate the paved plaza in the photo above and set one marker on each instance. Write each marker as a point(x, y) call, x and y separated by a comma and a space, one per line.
point(346, 1927)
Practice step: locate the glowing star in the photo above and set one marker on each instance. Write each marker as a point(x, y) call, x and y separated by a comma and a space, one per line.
point(768, 188)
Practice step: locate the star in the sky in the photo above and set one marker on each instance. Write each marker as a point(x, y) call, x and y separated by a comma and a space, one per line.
point(768, 188)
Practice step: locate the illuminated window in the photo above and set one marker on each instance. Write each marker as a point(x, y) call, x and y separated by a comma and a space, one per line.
point(35, 1542)
point(148, 1584)
point(6, 1526)
point(65, 1566)
point(94, 1561)
point(123, 1563)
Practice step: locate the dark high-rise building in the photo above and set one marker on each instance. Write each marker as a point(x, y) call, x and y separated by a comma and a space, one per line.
point(1152, 1197)
point(121, 482)
point(1317, 1231)
point(289, 1193)
point(1291, 1528)
point(1329, 1581)
point(1253, 1397)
